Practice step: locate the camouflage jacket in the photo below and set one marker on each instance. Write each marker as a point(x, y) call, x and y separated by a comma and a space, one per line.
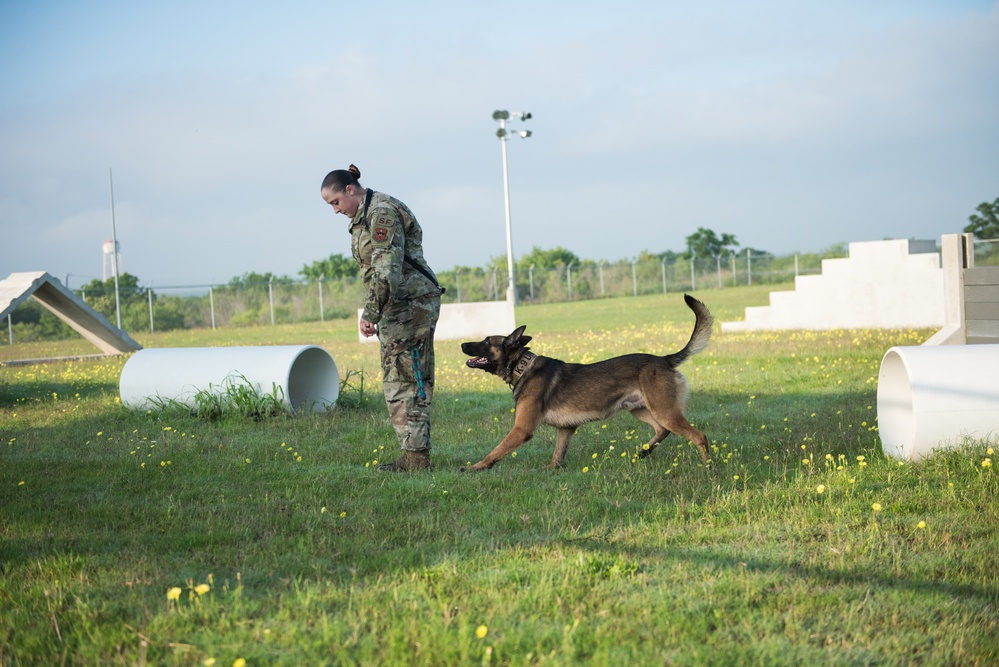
point(384, 233)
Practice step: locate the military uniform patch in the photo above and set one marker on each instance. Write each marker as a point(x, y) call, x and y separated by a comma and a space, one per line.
point(380, 233)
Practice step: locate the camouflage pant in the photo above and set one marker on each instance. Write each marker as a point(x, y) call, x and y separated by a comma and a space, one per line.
point(406, 333)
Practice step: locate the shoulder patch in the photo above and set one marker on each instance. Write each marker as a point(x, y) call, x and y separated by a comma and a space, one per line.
point(383, 225)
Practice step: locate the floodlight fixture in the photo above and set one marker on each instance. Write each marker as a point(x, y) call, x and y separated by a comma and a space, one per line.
point(502, 116)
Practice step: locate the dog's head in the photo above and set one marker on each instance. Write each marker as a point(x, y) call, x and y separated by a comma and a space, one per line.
point(496, 353)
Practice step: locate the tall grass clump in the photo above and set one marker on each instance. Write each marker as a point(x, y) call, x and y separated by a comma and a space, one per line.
point(234, 398)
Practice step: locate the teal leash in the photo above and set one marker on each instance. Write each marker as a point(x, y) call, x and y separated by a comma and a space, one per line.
point(417, 373)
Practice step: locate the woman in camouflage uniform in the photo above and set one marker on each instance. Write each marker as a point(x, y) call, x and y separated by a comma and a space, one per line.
point(402, 305)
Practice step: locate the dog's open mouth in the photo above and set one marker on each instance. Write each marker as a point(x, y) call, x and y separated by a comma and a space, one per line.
point(477, 362)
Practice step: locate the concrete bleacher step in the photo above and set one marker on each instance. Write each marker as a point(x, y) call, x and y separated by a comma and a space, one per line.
point(882, 284)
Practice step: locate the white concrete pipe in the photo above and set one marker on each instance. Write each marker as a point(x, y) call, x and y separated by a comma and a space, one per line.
point(306, 375)
point(933, 397)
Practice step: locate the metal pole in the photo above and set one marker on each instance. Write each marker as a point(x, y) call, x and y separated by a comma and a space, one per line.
point(693, 285)
point(211, 303)
point(114, 249)
point(735, 280)
point(322, 318)
point(601, 277)
point(634, 280)
point(664, 275)
point(457, 281)
point(568, 279)
point(270, 294)
point(718, 259)
point(511, 293)
point(749, 268)
point(149, 293)
point(530, 275)
point(795, 265)
point(10, 330)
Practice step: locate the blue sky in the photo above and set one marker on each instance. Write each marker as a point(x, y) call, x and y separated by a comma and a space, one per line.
point(792, 125)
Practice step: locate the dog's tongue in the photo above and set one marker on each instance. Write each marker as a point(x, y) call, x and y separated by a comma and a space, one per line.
point(476, 362)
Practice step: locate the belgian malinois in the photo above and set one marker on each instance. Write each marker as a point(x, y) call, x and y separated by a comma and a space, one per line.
point(566, 395)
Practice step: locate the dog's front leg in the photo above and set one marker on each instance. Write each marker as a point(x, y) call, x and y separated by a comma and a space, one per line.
point(565, 434)
point(524, 423)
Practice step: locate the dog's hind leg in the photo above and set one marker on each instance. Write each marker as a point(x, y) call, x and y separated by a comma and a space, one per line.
point(643, 414)
point(665, 400)
point(677, 423)
point(565, 434)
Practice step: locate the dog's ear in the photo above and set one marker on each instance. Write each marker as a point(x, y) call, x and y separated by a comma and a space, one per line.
point(517, 338)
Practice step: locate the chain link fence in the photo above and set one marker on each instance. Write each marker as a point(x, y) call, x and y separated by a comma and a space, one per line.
point(284, 300)
point(986, 252)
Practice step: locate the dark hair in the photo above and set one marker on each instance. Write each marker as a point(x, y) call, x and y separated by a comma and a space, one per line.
point(337, 181)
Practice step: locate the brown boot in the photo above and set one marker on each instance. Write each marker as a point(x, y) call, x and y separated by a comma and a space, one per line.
point(409, 461)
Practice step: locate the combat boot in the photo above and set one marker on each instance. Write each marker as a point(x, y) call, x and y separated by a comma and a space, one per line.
point(409, 461)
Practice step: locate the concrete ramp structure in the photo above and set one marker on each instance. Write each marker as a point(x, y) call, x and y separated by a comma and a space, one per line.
point(71, 309)
point(881, 285)
point(971, 295)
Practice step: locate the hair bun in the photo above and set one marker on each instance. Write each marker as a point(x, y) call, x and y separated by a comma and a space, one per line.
point(354, 171)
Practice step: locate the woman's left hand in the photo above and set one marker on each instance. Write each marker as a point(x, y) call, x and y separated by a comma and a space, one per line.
point(368, 329)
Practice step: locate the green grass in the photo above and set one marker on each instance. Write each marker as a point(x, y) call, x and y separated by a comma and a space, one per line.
point(314, 558)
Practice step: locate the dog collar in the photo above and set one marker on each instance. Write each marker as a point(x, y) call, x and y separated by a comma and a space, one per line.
point(525, 362)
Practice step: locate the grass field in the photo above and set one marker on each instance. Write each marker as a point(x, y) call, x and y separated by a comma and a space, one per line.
point(160, 538)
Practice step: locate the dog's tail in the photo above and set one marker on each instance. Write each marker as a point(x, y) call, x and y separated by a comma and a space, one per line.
point(699, 337)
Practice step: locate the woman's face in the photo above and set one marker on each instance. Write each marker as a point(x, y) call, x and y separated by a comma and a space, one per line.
point(346, 201)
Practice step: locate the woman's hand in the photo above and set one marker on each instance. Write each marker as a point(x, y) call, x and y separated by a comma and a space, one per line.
point(368, 329)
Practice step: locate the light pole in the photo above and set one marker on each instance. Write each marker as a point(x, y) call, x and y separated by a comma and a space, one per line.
point(502, 116)
point(114, 240)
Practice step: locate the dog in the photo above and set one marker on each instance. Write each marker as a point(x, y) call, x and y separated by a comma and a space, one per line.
point(567, 395)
